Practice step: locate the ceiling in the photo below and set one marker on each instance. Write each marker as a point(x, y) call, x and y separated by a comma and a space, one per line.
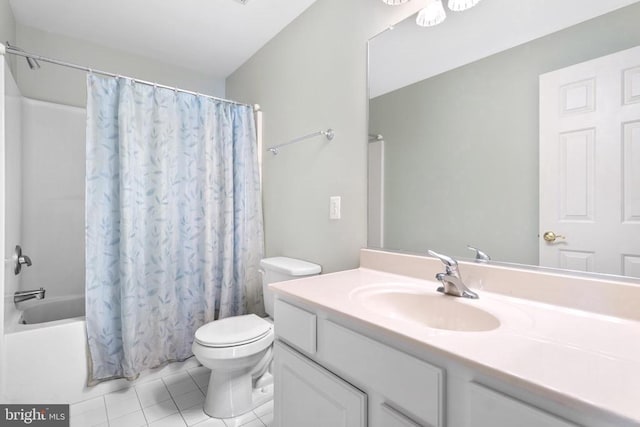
point(410, 53)
point(214, 37)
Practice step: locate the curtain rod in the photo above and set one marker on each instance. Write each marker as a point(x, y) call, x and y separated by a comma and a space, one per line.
point(14, 51)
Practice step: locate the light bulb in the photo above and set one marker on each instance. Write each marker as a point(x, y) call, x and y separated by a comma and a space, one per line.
point(432, 14)
point(394, 2)
point(460, 5)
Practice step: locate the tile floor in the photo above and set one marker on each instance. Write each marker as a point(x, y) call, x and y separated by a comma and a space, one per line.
point(172, 401)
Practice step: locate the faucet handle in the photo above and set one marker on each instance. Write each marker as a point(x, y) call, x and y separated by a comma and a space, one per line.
point(446, 260)
point(480, 256)
point(20, 260)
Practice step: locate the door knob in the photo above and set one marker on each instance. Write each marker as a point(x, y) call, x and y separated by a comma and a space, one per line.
point(551, 237)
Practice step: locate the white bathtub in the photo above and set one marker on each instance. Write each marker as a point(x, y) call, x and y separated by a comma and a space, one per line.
point(47, 362)
point(52, 309)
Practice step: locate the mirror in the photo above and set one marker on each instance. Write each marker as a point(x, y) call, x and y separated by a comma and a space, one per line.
point(454, 124)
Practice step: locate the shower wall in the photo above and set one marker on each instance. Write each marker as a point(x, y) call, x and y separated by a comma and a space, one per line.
point(12, 189)
point(53, 182)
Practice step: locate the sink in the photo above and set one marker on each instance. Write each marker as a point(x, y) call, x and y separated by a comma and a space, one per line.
point(415, 304)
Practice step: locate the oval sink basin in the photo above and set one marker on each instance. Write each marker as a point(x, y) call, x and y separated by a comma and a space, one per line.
point(401, 301)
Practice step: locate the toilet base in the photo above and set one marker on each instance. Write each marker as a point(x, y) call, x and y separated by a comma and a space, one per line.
point(231, 395)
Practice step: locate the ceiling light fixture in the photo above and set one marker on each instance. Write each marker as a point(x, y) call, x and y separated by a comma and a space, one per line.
point(433, 12)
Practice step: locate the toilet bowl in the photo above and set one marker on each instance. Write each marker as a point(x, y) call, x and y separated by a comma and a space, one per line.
point(238, 349)
point(238, 352)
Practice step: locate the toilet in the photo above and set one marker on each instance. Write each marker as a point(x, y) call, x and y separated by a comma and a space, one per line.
point(238, 349)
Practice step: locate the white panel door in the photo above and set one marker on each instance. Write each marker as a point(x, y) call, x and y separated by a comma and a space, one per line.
point(590, 165)
point(308, 395)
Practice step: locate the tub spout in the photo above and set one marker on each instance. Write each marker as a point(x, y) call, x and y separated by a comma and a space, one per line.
point(21, 296)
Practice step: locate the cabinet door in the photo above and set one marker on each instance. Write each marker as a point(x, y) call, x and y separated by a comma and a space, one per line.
point(389, 417)
point(490, 408)
point(308, 395)
point(407, 383)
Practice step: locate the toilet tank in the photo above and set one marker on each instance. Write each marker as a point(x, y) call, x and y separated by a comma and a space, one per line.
point(279, 269)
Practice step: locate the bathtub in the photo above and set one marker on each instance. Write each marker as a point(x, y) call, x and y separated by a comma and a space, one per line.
point(47, 361)
point(52, 309)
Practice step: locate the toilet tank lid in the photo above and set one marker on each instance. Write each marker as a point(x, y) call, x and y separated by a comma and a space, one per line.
point(290, 266)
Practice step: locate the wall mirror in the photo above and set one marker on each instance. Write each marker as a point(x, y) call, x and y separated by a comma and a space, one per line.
point(493, 128)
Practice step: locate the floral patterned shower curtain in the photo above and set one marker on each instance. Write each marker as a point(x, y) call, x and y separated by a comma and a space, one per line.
point(173, 222)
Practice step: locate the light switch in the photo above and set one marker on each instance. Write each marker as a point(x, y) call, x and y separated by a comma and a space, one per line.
point(334, 207)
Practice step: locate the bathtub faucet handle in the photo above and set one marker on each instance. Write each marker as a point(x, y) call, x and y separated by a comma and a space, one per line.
point(20, 260)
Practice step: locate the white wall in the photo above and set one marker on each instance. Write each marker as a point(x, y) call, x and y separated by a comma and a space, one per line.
point(312, 76)
point(67, 86)
point(53, 171)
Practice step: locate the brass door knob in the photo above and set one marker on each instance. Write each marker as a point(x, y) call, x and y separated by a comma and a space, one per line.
point(551, 237)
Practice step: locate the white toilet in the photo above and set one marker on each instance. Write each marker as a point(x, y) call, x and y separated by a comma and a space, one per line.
point(238, 350)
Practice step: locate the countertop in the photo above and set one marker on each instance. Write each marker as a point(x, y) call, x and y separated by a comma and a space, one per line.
point(576, 357)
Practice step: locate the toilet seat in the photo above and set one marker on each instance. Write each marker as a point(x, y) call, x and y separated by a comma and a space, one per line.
point(233, 331)
point(234, 352)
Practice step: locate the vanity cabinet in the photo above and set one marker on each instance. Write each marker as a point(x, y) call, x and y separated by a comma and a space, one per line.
point(343, 378)
point(369, 330)
point(327, 374)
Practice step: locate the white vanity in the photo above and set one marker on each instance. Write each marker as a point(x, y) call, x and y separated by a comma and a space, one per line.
point(378, 346)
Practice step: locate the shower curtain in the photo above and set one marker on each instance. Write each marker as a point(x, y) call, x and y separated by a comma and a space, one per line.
point(173, 222)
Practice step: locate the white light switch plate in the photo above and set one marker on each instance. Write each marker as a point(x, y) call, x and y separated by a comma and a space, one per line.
point(334, 207)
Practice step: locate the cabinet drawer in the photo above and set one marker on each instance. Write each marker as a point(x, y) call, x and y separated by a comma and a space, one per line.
point(406, 382)
point(490, 408)
point(295, 326)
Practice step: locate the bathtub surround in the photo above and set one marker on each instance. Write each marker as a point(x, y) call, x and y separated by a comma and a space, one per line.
point(13, 211)
point(53, 152)
point(174, 225)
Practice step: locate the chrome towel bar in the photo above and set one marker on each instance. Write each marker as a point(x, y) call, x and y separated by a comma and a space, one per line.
point(329, 134)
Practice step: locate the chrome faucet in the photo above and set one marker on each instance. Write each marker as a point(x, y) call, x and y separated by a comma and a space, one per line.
point(480, 255)
point(21, 296)
point(451, 281)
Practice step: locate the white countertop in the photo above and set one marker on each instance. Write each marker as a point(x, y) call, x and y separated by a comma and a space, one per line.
point(574, 357)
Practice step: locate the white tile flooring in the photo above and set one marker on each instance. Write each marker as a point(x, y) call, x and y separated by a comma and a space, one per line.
point(172, 401)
